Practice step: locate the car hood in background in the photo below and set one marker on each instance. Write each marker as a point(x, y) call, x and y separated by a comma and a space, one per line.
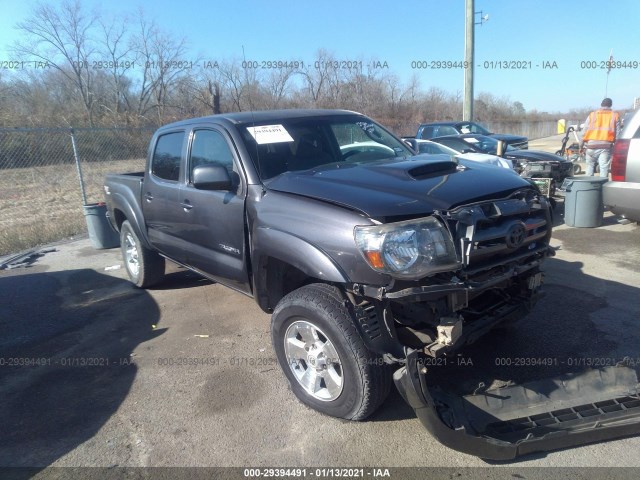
point(510, 139)
point(486, 158)
point(533, 155)
point(401, 188)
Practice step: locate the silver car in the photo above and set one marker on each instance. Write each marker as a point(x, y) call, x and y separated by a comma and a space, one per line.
point(622, 193)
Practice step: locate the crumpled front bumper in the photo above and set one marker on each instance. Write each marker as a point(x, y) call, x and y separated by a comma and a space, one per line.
point(543, 415)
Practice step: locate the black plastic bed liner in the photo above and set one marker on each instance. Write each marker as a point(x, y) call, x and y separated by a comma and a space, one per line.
point(504, 423)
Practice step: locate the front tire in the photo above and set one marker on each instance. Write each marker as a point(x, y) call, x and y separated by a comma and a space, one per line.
point(323, 356)
point(144, 267)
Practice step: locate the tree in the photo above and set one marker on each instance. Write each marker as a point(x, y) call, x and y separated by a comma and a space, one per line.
point(163, 62)
point(59, 38)
point(116, 49)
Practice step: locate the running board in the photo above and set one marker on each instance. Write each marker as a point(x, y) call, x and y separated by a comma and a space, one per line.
point(543, 415)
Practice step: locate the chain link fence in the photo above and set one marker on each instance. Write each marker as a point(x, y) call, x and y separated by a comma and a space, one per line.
point(44, 180)
point(44, 183)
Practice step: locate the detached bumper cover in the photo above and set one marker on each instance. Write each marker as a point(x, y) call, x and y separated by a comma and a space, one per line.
point(543, 415)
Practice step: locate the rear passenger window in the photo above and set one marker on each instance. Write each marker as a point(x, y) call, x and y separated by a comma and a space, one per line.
point(165, 163)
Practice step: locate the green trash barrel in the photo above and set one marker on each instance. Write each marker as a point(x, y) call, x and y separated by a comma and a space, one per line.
point(100, 232)
point(583, 205)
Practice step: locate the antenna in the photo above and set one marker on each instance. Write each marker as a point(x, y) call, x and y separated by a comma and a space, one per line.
point(244, 59)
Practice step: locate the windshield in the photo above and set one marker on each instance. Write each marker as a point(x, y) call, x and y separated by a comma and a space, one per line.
point(435, 148)
point(297, 144)
point(472, 127)
point(486, 144)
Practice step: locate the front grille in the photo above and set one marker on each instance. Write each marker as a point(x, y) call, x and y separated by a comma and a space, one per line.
point(508, 228)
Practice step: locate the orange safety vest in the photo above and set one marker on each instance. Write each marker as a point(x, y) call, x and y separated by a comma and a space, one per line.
point(601, 126)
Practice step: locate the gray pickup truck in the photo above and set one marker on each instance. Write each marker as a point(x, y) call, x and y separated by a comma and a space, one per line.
point(368, 257)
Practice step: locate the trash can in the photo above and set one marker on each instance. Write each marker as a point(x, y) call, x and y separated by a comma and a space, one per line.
point(583, 205)
point(100, 232)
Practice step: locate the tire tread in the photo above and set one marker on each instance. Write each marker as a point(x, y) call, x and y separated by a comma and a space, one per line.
point(376, 378)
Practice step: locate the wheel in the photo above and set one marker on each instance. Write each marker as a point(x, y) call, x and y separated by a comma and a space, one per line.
point(144, 267)
point(323, 356)
point(576, 169)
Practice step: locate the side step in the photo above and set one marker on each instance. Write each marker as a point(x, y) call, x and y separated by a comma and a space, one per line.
point(504, 423)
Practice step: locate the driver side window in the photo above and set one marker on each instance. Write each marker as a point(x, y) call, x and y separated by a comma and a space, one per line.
point(210, 148)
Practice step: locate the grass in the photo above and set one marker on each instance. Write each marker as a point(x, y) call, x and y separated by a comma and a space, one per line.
point(39, 205)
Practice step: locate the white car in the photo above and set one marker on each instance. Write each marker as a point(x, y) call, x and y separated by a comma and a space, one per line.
point(433, 148)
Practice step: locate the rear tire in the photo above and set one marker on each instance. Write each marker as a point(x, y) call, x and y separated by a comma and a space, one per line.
point(144, 267)
point(323, 356)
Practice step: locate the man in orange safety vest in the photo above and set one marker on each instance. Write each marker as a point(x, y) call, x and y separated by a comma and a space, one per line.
point(599, 136)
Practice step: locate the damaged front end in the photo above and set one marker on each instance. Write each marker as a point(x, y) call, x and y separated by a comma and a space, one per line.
point(500, 246)
point(542, 415)
point(488, 273)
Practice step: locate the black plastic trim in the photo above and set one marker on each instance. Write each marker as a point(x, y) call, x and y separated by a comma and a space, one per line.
point(412, 385)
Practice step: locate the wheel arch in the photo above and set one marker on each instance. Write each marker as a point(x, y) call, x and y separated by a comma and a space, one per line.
point(122, 210)
point(283, 262)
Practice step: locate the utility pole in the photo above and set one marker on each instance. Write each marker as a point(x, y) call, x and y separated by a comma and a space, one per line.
point(467, 107)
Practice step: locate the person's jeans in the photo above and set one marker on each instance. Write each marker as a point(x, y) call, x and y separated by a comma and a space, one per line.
point(601, 156)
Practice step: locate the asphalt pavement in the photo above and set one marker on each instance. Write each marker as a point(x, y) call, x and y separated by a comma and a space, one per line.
point(94, 372)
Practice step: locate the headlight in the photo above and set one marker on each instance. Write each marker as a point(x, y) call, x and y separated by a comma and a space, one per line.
point(410, 249)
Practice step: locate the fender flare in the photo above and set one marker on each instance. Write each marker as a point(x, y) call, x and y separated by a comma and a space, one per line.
point(134, 215)
point(294, 251)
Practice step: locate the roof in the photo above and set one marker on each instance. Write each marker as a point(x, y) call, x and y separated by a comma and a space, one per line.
point(262, 116)
point(449, 124)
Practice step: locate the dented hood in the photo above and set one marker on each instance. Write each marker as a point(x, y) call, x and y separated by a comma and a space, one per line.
point(404, 187)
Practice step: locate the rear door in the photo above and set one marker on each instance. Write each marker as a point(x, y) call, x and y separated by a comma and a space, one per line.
point(214, 221)
point(161, 194)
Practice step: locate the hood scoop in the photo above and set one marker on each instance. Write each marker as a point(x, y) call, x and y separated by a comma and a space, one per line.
point(433, 169)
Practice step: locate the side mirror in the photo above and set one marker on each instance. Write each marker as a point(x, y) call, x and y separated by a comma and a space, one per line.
point(211, 177)
point(501, 148)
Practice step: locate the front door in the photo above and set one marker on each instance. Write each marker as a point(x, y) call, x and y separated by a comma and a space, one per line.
point(214, 221)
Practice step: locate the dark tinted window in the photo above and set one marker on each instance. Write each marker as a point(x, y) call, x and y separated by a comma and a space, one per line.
point(432, 148)
point(427, 132)
point(457, 144)
point(473, 128)
point(166, 157)
point(210, 148)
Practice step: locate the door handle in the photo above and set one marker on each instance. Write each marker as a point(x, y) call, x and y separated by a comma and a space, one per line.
point(186, 205)
point(148, 197)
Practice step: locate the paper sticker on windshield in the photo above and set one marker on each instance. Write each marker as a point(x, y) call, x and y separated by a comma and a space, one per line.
point(270, 134)
point(471, 140)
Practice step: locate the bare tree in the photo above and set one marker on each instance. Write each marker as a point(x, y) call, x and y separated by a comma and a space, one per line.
point(60, 38)
point(316, 75)
point(163, 62)
point(277, 85)
point(206, 90)
point(118, 60)
point(242, 84)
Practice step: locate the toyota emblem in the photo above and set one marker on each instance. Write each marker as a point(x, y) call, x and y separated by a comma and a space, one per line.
point(516, 235)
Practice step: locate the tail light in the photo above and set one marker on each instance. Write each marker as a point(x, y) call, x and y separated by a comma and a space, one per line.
point(619, 160)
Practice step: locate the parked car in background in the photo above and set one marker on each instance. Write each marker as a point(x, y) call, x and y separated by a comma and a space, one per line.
point(528, 163)
point(428, 131)
point(433, 148)
point(622, 193)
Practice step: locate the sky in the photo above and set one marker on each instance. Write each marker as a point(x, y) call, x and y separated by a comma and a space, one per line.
point(512, 48)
